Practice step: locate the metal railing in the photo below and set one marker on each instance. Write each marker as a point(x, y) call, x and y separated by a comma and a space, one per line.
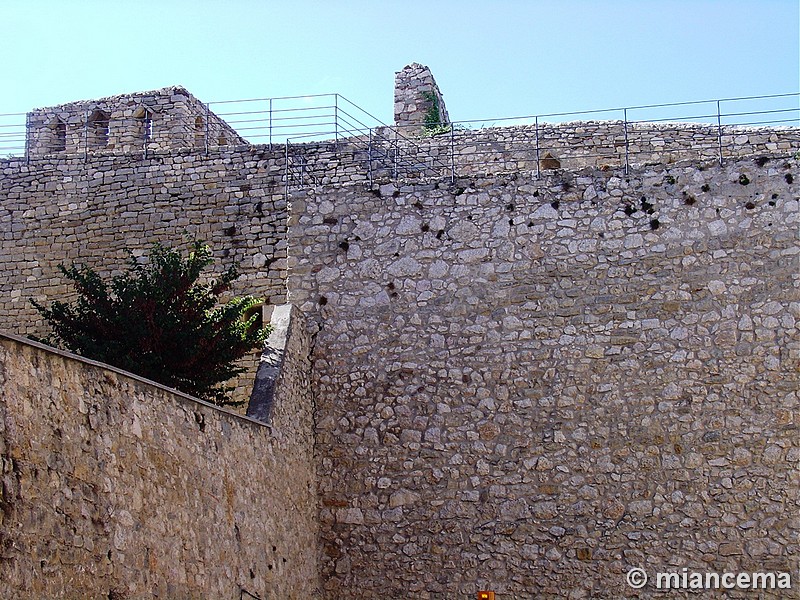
point(326, 138)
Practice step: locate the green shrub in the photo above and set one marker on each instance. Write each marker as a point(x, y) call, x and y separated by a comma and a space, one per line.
point(159, 321)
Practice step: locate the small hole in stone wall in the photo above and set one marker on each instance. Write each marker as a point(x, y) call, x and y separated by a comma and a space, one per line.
point(439, 234)
point(629, 210)
point(396, 255)
point(330, 220)
point(344, 245)
point(705, 187)
point(322, 301)
point(530, 223)
point(774, 196)
point(654, 224)
point(284, 561)
point(744, 179)
point(469, 217)
point(689, 200)
point(788, 177)
point(669, 180)
point(716, 210)
point(771, 202)
point(761, 161)
point(555, 204)
point(418, 204)
point(230, 230)
point(260, 207)
point(749, 206)
point(536, 194)
point(566, 186)
point(390, 285)
point(509, 207)
point(274, 548)
point(601, 234)
point(425, 227)
point(269, 567)
point(252, 574)
point(201, 420)
point(511, 221)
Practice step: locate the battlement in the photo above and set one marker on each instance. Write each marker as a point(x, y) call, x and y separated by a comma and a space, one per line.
point(163, 119)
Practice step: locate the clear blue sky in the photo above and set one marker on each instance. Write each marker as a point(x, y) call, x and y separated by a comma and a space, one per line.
point(491, 57)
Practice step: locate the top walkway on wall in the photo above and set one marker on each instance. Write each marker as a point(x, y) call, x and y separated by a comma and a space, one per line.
point(327, 139)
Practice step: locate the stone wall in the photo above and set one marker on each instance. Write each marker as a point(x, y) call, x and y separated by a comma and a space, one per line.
point(162, 119)
point(417, 99)
point(532, 385)
point(579, 144)
point(89, 211)
point(114, 487)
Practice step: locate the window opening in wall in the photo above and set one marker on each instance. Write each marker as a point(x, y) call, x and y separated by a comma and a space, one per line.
point(98, 129)
point(199, 131)
point(222, 140)
point(58, 135)
point(144, 119)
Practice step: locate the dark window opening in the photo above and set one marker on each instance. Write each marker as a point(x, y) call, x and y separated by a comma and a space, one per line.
point(58, 136)
point(98, 129)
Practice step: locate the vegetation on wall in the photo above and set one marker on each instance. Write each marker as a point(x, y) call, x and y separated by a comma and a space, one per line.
point(432, 123)
point(160, 321)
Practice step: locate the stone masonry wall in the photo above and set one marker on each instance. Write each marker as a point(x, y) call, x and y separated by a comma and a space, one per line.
point(168, 118)
point(113, 487)
point(532, 385)
point(59, 211)
point(416, 95)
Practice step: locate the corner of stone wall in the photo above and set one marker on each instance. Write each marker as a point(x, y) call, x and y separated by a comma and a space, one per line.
point(283, 376)
point(416, 95)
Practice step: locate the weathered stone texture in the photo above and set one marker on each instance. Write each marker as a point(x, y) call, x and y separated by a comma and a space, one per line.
point(531, 385)
point(416, 97)
point(59, 211)
point(168, 118)
point(117, 488)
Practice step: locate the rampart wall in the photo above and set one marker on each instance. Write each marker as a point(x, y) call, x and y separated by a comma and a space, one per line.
point(532, 385)
point(114, 487)
point(90, 211)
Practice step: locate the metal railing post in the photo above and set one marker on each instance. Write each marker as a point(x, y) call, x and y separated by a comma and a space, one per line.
point(86, 136)
point(208, 112)
point(452, 154)
point(286, 167)
point(270, 124)
point(719, 132)
point(369, 157)
point(625, 117)
point(538, 160)
point(28, 138)
point(336, 118)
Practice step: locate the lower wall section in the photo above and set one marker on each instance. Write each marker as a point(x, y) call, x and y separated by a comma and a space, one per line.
point(114, 487)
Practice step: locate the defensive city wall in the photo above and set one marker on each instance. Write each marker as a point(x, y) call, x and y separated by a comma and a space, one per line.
point(535, 357)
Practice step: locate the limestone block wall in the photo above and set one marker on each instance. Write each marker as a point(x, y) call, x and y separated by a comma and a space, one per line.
point(113, 487)
point(582, 144)
point(89, 211)
point(145, 121)
point(532, 385)
point(415, 94)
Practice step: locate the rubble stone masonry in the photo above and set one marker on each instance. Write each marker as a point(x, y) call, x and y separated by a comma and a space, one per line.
point(532, 385)
point(114, 487)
